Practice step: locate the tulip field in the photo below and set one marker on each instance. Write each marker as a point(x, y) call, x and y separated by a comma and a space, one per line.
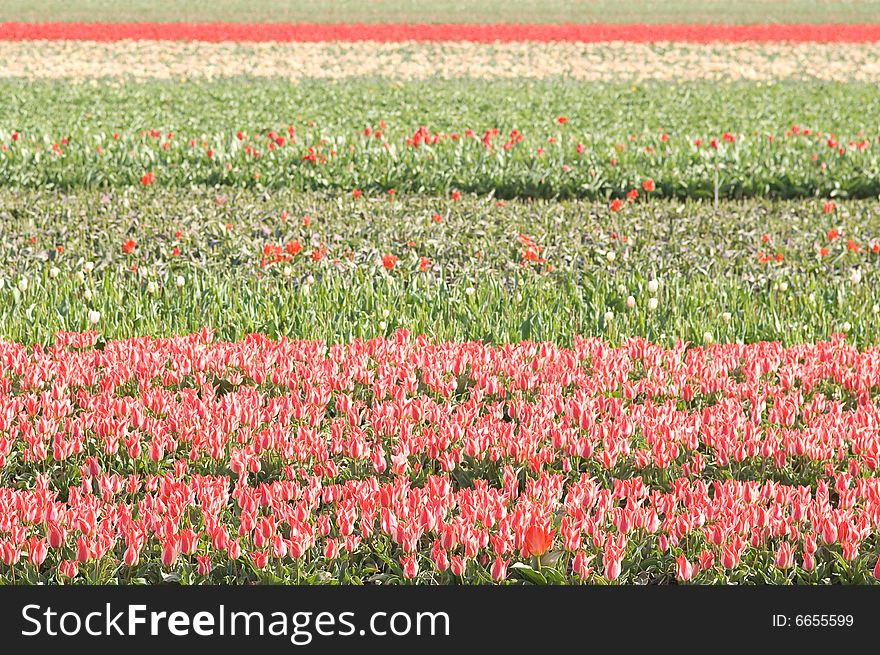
point(322, 293)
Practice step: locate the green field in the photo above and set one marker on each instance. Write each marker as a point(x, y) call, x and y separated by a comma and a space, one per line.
point(478, 283)
point(626, 134)
point(613, 110)
point(457, 11)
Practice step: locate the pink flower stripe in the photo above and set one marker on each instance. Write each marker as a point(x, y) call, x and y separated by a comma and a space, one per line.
point(479, 33)
point(280, 451)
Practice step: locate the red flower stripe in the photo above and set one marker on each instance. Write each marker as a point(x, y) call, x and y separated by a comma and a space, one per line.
point(480, 33)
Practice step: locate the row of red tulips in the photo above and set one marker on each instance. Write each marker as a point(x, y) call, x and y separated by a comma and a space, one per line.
point(401, 458)
point(573, 528)
point(480, 33)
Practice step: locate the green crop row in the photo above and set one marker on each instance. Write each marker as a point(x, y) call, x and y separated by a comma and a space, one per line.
point(161, 262)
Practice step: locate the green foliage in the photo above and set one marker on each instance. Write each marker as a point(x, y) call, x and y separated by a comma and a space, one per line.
point(479, 283)
point(615, 137)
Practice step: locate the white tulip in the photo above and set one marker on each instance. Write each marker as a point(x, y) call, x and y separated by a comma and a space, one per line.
point(310, 279)
point(469, 291)
point(653, 286)
point(783, 286)
point(94, 316)
point(855, 276)
point(846, 327)
point(726, 316)
point(23, 284)
point(152, 287)
point(630, 302)
point(88, 267)
point(611, 256)
point(88, 294)
point(609, 316)
point(652, 304)
point(621, 289)
point(386, 313)
point(54, 272)
point(383, 325)
point(179, 281)
point(708, 338)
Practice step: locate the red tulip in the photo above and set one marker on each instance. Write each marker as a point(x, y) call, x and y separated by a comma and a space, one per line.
point(538, 539)
point(410, 566)
point(612, 567)
point(729, 556)
point(389, 262)
point(784, 556)
point(38, 549)
point(170, 551)
point(260, 558)
point(580, 564)
point(499, 569)
point(68, 568)
point(132, 555)
point(83, 549)
point(707, 560)
point(56, 534)
point(684, 570)
point(204, 564)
